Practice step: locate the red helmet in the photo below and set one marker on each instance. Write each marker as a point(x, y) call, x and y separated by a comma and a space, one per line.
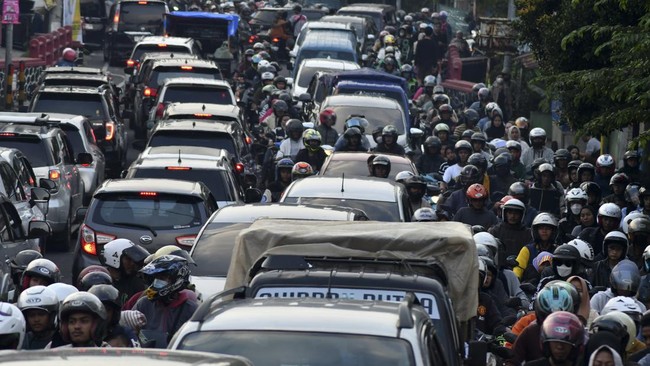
point(476, 192)
point(565, 327)
point(327, 115)
point(69, 54)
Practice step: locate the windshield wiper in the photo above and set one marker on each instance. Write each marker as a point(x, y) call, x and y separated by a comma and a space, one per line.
point(140, 226)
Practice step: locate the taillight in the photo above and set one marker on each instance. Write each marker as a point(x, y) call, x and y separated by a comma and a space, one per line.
point(90, 239)
point(178, 168)
point(186, 241)
point(249, 140)
point(130, 63)
point(9, 134)
point(252, 39)
point(239, 168)
point(160, 108)
point(55, 174)
point(186, 67)
point(150, 92)
point(148, 194)
point(202, 115)
point(275, 40)
point(110, 131)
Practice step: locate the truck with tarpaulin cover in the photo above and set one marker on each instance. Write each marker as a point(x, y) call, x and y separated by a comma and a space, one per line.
point(217, 33)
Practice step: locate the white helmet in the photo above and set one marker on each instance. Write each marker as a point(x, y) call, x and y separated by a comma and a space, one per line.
point(605, 160)
point(514, 204)
point(62, 290)
point(403, 175)
point(576, 194)
point(113, 252)
point(537, 132)
point(39, 297)
point(585, 249)
point(12, 322)
point(267, 75)
point(263, 63)
point(425, 214)
point(544, 218)
point(623, 319)
point(624, 304)
point(625, 223)
point(488, 240)
point(610, 210)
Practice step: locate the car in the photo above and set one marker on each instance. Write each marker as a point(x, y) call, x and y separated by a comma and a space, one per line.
point(308, 68)
point(326, 44)
point(192, 90)
point(346, 30)
point(94, 15)
point(150, 212)
point(56, 168)
point(213, 247)
point(379, 111)
point(213, 167)
point(355, 164)
point(310, 331)
point(381, 14)
point(153, 75)
point(109, 356)
point(229, 136)
point(382, 199)
point(129, 22)
point(263, 19)
point(170, 45)
point(96, 104)
point(364, 26)
point(89, 80)
point(82, 139)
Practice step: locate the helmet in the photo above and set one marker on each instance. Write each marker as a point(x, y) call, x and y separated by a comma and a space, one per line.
point(112, 254)
point(573, 292)
point(12, 326)
point(471, 116)
point(576, 194)
point(284, 95)
point(519, 189)
point(83, 302)
point(62, 290)
point(469, 175)
point(176, 267)
point(609, 210)
point(619, 178)
point(43, 268)
point(546, 167)
point(311, 135)
point(91, 268)
point(639, 230)
point(479, 161)
point(627, 220)
point(285, 163)
point(574, 164)
point(511, 144)
point(429, 80)
point(109, 296)
point(561, 154)
point(514, 204)
point(358, 122)
point(39, 297)
point(389, 130)
point(432, 142)
point(327, 115)
point(537, 133)
point(69, 54)
point(294, 125)
point(467, 134)
point(445, 108)
point(462, 144)
point(406, 68)
point(249, 52)
point(416, 182)
point(585, 249)
point(389, 39)
point(625, 305)
point(479, 137)
point(170, 250)
point(95, 278)
point(389, 60)
point(546, 219)
point(476, 87)
point(487, 239)
point(440, 127)
point(20, 262)
point(616, 237)
point(551, 298)
point(521, 122)
point(425, 214)
point(586, 167)
point(483, 93)
point(264, 62)
point(351, 132)
point(403, 176)
point(490, 107)
point(625, 277)
point(476, 192)
point(630, 154)
point(612, 324)
point(502, 160)
point(439, 89)
point(301, 170)
point(591, 188)
point(566, 261)
point(626, 319)
point(443, 14)
point(605, 160)
point(280, 106)
point(565, 327)
point(381, 160)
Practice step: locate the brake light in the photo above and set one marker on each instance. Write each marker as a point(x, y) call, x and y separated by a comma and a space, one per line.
point(239, 168)
point(7, 134)
point(178, 168)
point(90, 239)
point(249, 140)
point(142, 2)
point(160, 108)
point(162, 45)
point(55, 174)
point(186, 241)
point(116, 18)
point(110, 131)
point(202, 115)
point(186, 67)
point(148, 194)
point(150, 92)
point(275, 40)
point(252, 39)
point(130, 63)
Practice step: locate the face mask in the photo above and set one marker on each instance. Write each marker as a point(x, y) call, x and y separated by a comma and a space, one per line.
point(564, 270)
point(159, 284)
point(575, 208)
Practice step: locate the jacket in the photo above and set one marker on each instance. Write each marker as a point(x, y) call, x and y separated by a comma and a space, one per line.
point(599, 300)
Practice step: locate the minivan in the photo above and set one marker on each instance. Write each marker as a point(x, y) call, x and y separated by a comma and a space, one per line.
point(328, 45)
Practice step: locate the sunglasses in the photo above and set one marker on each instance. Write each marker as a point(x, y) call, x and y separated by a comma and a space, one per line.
point(565, 262)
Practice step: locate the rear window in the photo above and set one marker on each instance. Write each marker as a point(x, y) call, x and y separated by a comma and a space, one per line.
point(216, 180)
point(160, 74)
point(141, 16)
point(197, 94)
point(155, 210)
point(88, 105)
point(145, 48)
point(376, 210)
point(334, 55)
point(92, 8)
point(359, 168)
point(74, 82)
point(35, 149)
point(74, 136)
point(194, 138)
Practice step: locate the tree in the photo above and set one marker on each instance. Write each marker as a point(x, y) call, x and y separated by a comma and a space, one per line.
point(594, 57)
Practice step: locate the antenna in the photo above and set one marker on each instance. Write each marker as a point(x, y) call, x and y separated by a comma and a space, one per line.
point(328, 295)
point(179, 157)
point(203, 108)
point(193, 124)
point(342, 182)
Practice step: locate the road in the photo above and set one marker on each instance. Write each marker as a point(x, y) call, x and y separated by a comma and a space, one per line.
point(64, 260)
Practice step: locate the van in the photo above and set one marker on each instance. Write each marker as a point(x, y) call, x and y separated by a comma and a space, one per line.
point(328, 45)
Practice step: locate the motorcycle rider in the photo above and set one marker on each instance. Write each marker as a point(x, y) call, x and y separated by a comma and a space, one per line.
point(518, 169)
point(544, 232)
point(431, 160)
point(520, 191)
point(561, 159)
point(40, 272)
point(389, 65)
point(551, 197)
point(511, 230)
point(468, 121)
point(354, 141)
point(609, 218)
point(617, 184)
point(17, 266)
point(476, 213)
point(416, 189)
point(313, 153)
point(301, 170)
point(380, 167)
point(538, 148)
point(463, 150)
point(605, 169)
point(389, 143)
point(625, 280)
point(124, 259)
point(82, 321)
point(68, 58)
point(458, 198)
point(327, 119)
point(40, 307)
point(282, 178)
point(562, 338)
point(293, 144)
point(616, 246)
point(575, 199)
point(631, 166)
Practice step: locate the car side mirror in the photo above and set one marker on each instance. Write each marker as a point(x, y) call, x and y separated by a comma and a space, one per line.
point(123, 173)
point(41, 198)
point(84, 158)
point(38, 229)
point(47, 184)
point(304, 97)
point(252, 195)
point(80, 215)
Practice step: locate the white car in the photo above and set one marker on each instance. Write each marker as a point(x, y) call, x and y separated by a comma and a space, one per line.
point(308, 68)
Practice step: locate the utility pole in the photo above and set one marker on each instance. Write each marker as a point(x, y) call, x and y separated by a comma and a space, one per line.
point(507, 59)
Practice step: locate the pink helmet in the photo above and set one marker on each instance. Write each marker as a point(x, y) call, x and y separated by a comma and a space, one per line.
point(69, 54)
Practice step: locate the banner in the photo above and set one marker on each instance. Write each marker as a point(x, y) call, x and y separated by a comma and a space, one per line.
point(72, 16)
point(10, 12)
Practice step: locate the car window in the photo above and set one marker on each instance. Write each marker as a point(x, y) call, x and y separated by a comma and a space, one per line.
point(92, 8)
point(5, 227)
point(144, 48)
point(213, 249)
point(155, 210)
point(74, 82)
point(359, 168)
point(12, 184)
point(195, 94)
point(160, 74)
point(55, 147)
point(141, 16)
point(66, 153)
point(26, 172)
point(74, 136)
point(377, 117)
point(6, 179)
point(89, 105)
point(376, 210)
point(37, 151)
point(216, 180)
point(194, 138)
point(90, 135)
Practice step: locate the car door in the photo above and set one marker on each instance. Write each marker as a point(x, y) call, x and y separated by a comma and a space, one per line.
point(95, 151)
point(14, 190)
point(113, 112)
point(70, 171)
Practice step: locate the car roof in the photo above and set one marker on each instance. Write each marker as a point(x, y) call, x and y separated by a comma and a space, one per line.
point(361, 100)
point(181, 41)
point(330, 63)
point(377, 318)
point(194, 125)
point(186, 152)
point(366, 189)
point(328, 25)
point(253, 211)
point(162, 162)
point(226, 110)
point(23, 123)
point(326, 38)
point(185, 62)
point(168, 186)
point(203, 82)
point(72, 89)
point(112, 355)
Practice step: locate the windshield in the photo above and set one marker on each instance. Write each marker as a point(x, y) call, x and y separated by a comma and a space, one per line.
point(88, 105)
point(197, 94)
point(141, 16)
point(161, 74)
point(216, 180)
point(194, 138)
point(34, 148)
point(275, 348)
point(213, 249)
point(157, 211)
point(359, 168)
point(377, 117)
point(148, 48)
point(74, 82)
point(376, 210)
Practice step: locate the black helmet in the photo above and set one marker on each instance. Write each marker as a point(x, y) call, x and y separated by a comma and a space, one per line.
point(173, 266)
point(462, 144)
point(574, 164)
point(471, 115)
point(20, 262)
point(561, 154)
point(249, 52)
point(351, 132)
point(294, 125)
point(592, 188)
point(83, 302)
point(479, 137)
point(469, 175)
point(502, 160)
point(285, 96)
point(280, 106)
point(631, 154)
point(95, 278)
point(467, 134)
point(566, 261)
point(380, 160)
point(479, 161)
point(432, 142)
point(519, 189)
point(109, 296)
point(587, 167)
point(619, 178)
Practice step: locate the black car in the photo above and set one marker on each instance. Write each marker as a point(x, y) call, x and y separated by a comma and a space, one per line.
point(130, 21)
point(93, 13)
point(263, 20)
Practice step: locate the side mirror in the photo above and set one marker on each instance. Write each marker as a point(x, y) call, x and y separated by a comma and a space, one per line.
point(84, 158)
point(41, 198)
point(304, 97)
point(123, 173)
point(416, 132)
point(80, 215)
point(252, 195)
point(47, 184)
point(38, 229)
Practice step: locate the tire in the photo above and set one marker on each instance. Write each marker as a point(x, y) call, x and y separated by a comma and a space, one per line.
point(62, 242)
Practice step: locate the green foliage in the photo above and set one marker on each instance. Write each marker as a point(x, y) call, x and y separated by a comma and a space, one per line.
point(594, 57)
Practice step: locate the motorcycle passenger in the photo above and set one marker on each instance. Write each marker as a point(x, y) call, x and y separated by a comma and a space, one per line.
point(625, 280)
point(605, 169)
point(389, 65)
point(501, 179)
point(458, 198)
point(617, 184)
point(616, 245)
point(609, 219)
point(282, 178)
point(40, 307)
point(562, 337)
point(116, 335)
point(479, 144)
point(594, 195)
point(425, 100)
point(82, 321)
point(17, 266)
point(313, 153)
point(468, 121)
point(511, 230)
point(518, 169)
point(631, 166)
point(476, 213)
point(406, 71)
point(40, 272)
point(280, 110)
point(551, 198)
point(463, 150)
point(575, 199)
point(68, 58)
point(12, 327)
point(493, 286)
point(389, 143)
point(380, 167)
point(124, 259)
point(327, 119)
point(544, 231)
point(293, 144)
